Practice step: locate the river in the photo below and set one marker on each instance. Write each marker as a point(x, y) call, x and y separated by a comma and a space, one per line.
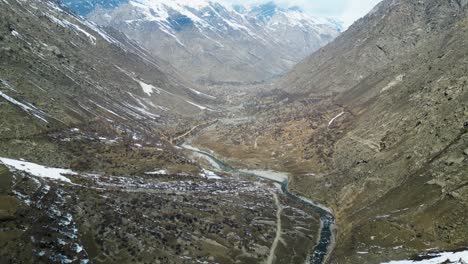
point(324, 245)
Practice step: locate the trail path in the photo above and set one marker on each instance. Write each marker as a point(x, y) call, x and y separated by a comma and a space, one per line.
point(279, 230)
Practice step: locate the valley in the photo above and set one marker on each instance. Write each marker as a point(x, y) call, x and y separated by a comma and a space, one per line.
point(180, 132)
point(325, 237)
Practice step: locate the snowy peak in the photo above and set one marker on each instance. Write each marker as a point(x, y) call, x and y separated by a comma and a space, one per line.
point(84, 7)
point(214, 42)
point(180, 14)
point(265, 11)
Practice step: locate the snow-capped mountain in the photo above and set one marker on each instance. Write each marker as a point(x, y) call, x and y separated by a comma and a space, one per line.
point(213, 42)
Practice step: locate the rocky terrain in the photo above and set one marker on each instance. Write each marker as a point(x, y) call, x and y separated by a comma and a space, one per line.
point(383, 142)
point(213, 43)
point(156, 217)
point(94, 169)
point(88, 169)
point(60, 72)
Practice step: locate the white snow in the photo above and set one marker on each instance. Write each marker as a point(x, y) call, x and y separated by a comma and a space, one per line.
point(159, 10)
point(396, 81)
point(103, 34)
point(210, 175)
point(54, 6)
point(202, 94)
point(74, 27)
point(78, 248)
point(38, 170)
point(158, 172)
point(453, 257)
point(28, 108)
point(15, 33)
point(199, 106)
point(148, 88)
point(213, 18)
point(382, 216)
point(8, 85)
point(110, 111)
point(336, 117)
point(142, 111)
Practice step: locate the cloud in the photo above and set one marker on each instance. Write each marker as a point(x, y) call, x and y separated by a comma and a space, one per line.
point(355, 9)
point(347, 11)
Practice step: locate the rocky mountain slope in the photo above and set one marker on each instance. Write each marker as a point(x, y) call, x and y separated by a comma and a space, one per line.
point(59, 70)
point(389, 33)
point(375, 125)
point(213, 43)
point(88, 169)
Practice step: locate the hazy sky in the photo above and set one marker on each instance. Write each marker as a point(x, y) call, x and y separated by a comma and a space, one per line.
point(347, 11)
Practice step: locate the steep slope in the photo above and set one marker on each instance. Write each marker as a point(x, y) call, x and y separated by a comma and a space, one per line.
point(59, 71)
point(87, 173)
point(375, 125)
point(390, 32)
point(213, 43)
point(400, 179)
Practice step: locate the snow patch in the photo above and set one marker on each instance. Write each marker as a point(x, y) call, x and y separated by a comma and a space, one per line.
point(16, 34)
point(336, 117)
point(159, 172)
point(200, 106)
point(110, 111)
point(437, 258)
point(28, 108)
point(202, 94)
point(210, 175)
point(7, 85)
point(74, 27)
point(103, 34)
point(148, 88)
point(142, 111)
point(396, 81)
point(38, 170)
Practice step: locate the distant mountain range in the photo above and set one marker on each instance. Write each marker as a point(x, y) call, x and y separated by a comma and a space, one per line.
point(60, 70)
point(214, 43)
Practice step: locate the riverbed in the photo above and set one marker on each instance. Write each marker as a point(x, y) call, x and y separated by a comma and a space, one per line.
point(325, 242)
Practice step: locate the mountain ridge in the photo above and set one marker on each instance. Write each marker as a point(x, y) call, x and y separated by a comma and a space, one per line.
point(374, 125)
point(212, 43)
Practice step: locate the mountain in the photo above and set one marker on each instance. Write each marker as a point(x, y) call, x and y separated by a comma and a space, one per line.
point(88, 173)
point(392, 31)
point(398, 153)
point(59, 71)
point(213, 43)
point(374, 125)
point(109, 154)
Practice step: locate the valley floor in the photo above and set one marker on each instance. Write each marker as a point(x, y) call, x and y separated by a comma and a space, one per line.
point(155, 217)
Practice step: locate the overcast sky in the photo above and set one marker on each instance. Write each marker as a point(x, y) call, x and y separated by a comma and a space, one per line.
point(347, 11)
